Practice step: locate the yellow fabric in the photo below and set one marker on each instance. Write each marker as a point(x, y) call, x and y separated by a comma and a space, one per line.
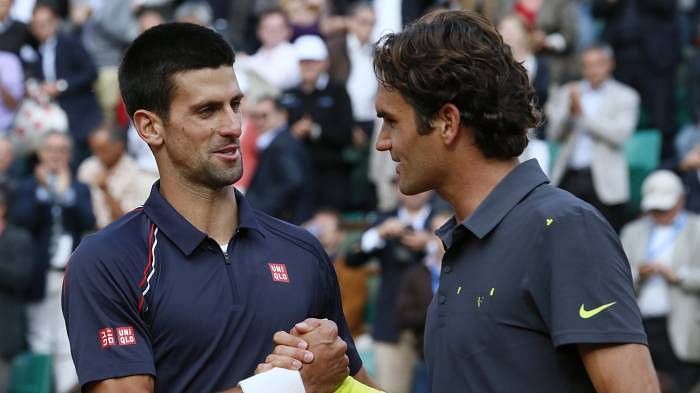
point(350, 385)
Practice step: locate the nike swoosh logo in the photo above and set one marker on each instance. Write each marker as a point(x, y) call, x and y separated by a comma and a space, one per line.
point(585, 314)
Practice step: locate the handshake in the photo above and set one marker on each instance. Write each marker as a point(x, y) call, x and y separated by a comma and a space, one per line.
point(314, 349)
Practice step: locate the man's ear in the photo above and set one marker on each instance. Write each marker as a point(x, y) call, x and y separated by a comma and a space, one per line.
point(150, 127)
point(448, 123)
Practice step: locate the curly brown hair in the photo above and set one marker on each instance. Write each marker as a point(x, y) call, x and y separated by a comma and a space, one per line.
point(458, 57)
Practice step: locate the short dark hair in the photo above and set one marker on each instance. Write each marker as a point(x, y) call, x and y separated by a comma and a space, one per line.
point(458, 57)
point(149, 64)
point(115, 132)
point(48, 5)
point(606, 49)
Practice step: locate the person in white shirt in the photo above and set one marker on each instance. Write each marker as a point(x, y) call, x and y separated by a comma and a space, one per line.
point(592, 119)
point(276, 61)
point(663, 250)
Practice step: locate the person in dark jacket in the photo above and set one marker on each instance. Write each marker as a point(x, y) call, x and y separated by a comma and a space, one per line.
point(66, 72)
point(16, 265)
point(418, 286)
point(320, 115)
point(645, 37)
point(56, 209)
point(398, 240)
point(281, 185)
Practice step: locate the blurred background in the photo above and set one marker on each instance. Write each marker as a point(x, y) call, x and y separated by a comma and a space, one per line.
point(618, 83)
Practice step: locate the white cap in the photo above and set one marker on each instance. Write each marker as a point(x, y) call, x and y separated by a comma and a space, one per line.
point(310, 47)
point(661, 190)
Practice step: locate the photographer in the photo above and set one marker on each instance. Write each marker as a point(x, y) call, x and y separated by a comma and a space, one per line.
point(398, 240)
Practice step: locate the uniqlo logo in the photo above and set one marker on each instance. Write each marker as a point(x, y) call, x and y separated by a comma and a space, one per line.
point(279, 272)
point(106, 337)
point(125, 335)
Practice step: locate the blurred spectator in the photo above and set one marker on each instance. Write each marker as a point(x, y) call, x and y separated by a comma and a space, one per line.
point(587, 30)
point(282, 183)
point(304, 16)
point(516, 36)
point(645, 37)
point(11, 89)
point(108, 31)
point(56, 210)
point(350, 59)
point(382, 172)
point(493, 10)
point(553, 27)
point(689, 167)
point(325, 225)
point(398, 240)
point(15, 275)
point(196, 12)
point(249, 149)
point(350, 64)
point(274, 34)
point(148, 17)
point(320, 114)
point(117, 184)
point(389, 18)
point(418, 286)
point(592, 119)
point(67, 73)
point(13, 34)
point(663, 249)
point(243, 17)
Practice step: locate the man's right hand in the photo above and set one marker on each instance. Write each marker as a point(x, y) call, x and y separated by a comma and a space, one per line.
point(328, 364)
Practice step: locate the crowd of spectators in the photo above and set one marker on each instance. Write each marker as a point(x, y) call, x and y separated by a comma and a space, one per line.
point(70, 162)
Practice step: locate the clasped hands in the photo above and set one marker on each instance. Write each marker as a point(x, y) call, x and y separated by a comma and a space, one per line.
point(314, 348)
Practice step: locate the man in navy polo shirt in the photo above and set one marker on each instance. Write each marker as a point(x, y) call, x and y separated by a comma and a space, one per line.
point(186, 293)
point(535, 292)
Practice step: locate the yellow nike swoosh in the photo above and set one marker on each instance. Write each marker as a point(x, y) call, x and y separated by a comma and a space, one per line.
point(585, 314)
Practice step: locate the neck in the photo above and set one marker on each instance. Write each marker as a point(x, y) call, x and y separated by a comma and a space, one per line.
point(212, 211)
point(466, 189)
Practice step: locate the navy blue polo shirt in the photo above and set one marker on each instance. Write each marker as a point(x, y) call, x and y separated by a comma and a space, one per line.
point(530, 272)
point(151, 294)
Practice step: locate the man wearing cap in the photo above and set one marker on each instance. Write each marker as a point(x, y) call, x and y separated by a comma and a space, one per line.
point(663, 250)
point(321, 115)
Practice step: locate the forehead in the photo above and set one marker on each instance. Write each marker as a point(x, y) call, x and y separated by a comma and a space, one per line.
point(57, 139)
point(272, 19)
point(207, 84)
point(594, 55)
point(390, 102)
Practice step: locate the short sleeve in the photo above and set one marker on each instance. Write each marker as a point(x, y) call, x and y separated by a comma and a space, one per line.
point(108, 338)
point(582, 284)
point(333, 310)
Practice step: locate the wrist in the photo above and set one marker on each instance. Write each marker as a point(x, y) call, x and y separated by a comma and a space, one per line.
point(274, 381)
